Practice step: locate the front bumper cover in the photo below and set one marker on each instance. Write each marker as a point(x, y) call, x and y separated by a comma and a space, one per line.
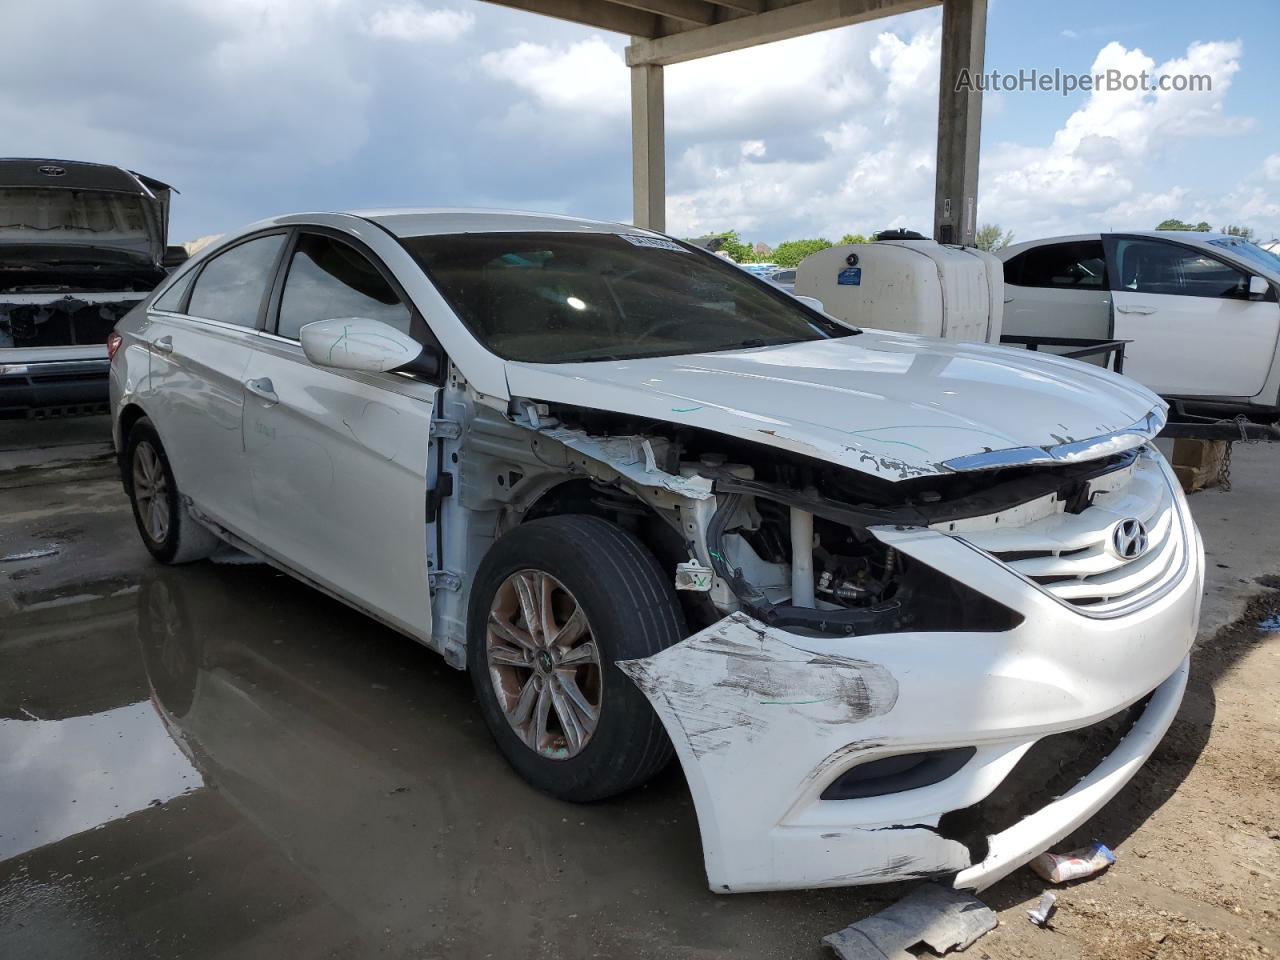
point(763, 721)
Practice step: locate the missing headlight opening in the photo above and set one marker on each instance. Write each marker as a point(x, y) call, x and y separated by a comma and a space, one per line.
point(791, 540)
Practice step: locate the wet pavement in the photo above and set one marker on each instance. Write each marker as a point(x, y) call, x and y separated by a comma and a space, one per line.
point(216, 761)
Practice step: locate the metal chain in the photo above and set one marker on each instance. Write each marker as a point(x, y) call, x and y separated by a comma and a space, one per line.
point(1224, 467)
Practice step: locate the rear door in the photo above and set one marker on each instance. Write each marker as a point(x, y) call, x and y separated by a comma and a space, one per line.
point(200, 335)
point(338, 459)
point(1195, 330)
point(1058, 290)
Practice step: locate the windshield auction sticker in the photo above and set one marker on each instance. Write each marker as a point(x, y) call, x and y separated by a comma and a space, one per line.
point(658, 243)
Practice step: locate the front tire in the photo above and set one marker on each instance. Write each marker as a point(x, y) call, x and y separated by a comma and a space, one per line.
point(555, 605)
point(167, 528)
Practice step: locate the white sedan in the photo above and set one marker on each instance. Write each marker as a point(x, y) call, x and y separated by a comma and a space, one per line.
point(1200, 310)
point(858, 582)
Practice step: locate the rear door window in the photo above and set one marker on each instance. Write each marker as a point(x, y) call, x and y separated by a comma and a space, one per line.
point(233, 285)
point(329, 279)
point(1079, 265)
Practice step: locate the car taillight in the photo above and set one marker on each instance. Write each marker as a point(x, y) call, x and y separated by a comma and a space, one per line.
point(113, 344)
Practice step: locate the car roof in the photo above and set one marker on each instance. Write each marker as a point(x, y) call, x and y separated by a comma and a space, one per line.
point(1185, 236)
point(425, 221)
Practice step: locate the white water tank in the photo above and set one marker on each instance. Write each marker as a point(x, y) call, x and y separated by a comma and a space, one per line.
point(912, 286)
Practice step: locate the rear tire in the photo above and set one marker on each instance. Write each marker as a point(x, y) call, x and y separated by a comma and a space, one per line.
point(167, 528)
point(597, 596)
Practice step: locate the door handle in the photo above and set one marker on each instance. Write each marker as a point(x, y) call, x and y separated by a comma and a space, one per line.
point(263, 388)
point(1008, 299)
point(164, 344)
point(1136, 308)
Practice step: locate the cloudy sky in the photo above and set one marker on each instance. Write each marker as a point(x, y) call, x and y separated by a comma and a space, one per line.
point(258, 107)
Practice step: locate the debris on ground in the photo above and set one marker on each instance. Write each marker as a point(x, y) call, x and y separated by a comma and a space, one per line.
point(1085, 862)
point(38, 553)
point(938, 917)
point(1044, 910)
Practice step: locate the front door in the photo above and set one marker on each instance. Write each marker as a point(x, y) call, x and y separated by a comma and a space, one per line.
point(1195, 331)
point(338, 459)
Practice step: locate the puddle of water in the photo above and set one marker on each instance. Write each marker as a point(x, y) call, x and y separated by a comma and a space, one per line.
point(60, 777)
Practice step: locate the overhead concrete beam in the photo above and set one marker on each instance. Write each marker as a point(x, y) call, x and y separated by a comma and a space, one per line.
point(648, 147)
point(809, 16)
point(592, 13)
point(964, 31)
point(696, 12)
point(744, 6)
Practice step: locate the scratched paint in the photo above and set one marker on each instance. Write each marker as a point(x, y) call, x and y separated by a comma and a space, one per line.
point(721, 688)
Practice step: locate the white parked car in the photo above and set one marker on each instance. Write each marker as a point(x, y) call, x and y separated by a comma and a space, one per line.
point(1200, 309)
point(784, 279)
point(861, 582)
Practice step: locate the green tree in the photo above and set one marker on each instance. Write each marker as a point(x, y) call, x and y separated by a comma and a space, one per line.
point(1173, 223)
point(790, 252)
point(736, 247)
point(1245, 233)
point(852, 238)
point(990, 238)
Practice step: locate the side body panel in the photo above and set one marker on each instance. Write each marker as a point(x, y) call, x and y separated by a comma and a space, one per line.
point(1197, 346)
point(1051, 312)
point(338, 466)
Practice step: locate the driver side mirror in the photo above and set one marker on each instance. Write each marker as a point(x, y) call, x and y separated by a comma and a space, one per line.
point(1258, 288)
point(358, 343)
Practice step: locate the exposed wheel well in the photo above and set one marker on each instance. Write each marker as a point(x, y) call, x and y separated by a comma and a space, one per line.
point(589, 497)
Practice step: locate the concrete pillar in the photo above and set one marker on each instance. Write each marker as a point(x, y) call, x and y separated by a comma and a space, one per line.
point(648, 147)
point(955, 204)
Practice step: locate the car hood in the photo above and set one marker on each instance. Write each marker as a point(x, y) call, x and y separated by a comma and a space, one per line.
point(894, 405)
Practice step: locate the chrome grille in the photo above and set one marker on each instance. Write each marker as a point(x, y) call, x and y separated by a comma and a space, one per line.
point(1069, 554)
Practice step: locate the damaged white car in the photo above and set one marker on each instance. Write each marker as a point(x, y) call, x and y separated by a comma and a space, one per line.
point(864, 584)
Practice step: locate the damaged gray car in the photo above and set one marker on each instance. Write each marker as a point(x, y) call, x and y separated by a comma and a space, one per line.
point(81, 244)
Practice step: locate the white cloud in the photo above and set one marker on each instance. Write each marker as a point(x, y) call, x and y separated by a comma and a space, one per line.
point(409, 21)
point(1099, 163)
point(588, 76)
point(1069, 34)
point(1271, 167)
point(820, 134)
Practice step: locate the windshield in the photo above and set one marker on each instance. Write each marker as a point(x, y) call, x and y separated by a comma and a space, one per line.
point(1249, 251)
point(33, 215)
point(561, 297)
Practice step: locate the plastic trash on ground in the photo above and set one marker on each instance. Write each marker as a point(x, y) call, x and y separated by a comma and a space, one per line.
point(1044, 910)
point(1085, 862)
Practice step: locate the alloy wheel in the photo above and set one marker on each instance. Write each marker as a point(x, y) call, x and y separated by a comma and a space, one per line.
point(151, 491)
point(544, 664)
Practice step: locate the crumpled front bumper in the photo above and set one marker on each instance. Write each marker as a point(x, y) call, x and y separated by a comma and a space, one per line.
point(763, 721)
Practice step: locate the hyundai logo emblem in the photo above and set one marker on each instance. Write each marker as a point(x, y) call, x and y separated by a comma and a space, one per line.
point(1129, 539)
point(52, 170)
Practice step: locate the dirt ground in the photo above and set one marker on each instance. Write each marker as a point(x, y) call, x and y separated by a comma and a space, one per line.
point(215, 761)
